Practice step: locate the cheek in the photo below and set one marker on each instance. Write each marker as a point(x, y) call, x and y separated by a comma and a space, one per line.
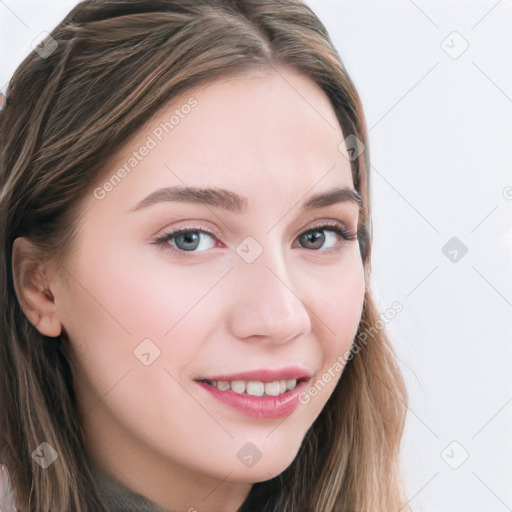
point(337, 307)
point(338, 304)
point(116, 302)
point(112, 304)
point(345, 305)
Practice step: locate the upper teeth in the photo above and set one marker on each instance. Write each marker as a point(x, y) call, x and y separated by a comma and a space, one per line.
point(254, 387)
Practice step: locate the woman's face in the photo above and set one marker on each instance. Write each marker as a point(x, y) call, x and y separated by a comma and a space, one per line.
point(244, 295)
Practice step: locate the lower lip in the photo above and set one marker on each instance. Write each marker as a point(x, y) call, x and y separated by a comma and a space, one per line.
point(259, 406)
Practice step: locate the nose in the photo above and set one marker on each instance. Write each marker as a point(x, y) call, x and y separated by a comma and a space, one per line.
point(265, 303)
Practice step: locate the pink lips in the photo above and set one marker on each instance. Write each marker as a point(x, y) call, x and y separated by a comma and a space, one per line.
point(263, 407)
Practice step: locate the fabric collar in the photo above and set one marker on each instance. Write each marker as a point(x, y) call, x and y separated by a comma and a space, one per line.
point(115, 497)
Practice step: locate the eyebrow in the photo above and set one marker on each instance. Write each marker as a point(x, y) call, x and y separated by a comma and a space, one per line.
point(232, 202)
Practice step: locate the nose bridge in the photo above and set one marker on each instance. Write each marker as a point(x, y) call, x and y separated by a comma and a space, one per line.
point(266, 302)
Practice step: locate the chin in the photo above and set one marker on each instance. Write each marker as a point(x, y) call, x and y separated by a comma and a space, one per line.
point(268, 467)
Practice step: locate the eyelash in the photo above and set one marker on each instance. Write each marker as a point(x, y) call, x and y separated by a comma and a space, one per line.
point(330, 225)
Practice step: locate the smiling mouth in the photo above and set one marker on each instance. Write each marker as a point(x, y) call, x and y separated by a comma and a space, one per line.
point(255, 387)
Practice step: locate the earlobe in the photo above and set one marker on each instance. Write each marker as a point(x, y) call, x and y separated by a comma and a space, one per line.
point(32, 288)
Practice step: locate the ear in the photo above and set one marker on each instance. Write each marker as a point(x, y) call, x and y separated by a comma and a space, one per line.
point(33, 288)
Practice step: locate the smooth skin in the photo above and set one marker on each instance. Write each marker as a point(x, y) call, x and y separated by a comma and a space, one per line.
point(271, 137)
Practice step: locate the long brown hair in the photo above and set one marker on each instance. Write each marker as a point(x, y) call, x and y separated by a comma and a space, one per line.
point(113, 66)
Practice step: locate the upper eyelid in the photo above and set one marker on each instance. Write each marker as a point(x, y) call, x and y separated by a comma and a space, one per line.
point(310, 223)
point(317, 221)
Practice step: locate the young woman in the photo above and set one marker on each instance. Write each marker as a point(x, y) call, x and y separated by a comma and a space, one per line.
point(187, 322)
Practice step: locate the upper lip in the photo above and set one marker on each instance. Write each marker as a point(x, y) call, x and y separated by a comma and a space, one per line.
point(264, 375)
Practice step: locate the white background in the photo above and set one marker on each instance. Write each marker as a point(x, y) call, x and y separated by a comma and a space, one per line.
point(440, 124)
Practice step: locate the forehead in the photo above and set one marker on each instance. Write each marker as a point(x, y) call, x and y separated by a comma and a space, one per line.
point(262, 114)
point(267, 135)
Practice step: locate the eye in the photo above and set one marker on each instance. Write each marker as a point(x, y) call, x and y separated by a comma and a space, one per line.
point(317, 238)
point(189, 240)
point(184, 240)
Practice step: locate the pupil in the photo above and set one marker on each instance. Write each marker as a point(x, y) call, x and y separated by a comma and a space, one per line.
point(189, 238)
point(316, 237)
